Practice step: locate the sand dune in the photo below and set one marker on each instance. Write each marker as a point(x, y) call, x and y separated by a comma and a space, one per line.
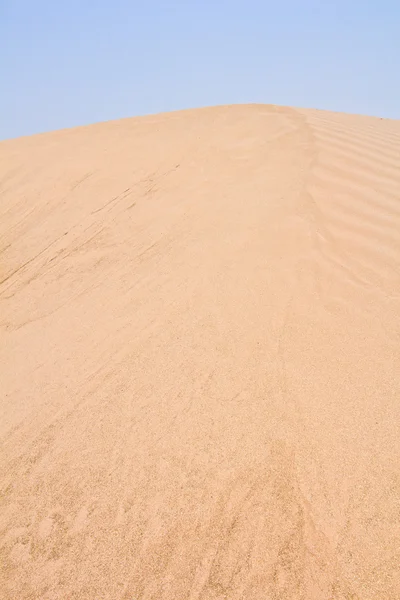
point(200, 358)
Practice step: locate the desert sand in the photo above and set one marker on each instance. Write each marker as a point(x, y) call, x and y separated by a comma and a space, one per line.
point(200, 358)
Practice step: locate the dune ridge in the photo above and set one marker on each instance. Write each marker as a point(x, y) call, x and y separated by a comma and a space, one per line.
point(200, 350)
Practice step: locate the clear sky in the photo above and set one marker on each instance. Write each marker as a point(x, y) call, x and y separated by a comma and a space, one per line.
point(73, 62)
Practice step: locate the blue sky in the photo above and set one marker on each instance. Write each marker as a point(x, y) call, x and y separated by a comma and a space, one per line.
point(80, 61)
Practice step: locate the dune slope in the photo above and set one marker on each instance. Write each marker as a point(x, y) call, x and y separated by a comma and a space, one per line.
point(200, 358)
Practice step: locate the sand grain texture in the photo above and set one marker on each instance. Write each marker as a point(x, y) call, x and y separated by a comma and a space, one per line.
point(200, 358)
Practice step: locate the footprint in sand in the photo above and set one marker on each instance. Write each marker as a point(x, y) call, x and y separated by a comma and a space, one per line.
point(45, 527)
point(81, 519)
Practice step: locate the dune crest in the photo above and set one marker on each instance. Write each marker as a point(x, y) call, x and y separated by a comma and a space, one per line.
point(200, 350)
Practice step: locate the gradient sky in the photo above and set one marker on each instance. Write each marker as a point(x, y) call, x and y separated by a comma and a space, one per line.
point(75, 62)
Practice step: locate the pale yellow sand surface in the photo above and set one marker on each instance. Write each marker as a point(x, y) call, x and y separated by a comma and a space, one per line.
point(200, 358)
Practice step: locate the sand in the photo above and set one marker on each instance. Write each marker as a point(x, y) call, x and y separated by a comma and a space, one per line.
point(200, 358)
